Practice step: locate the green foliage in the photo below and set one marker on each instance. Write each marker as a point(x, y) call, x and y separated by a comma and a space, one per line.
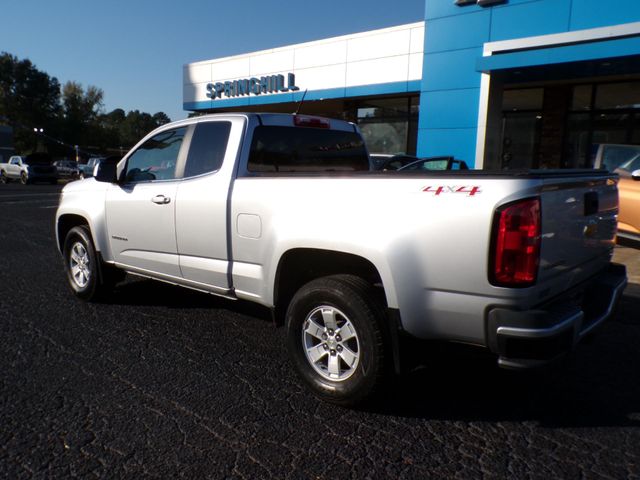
point(124, 131)
point(80, 110)
point(72, 115)
point(29, 99)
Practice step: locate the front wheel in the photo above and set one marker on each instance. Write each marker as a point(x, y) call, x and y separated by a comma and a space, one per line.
point(24, 179)
point(82, 267)
point(335, 336)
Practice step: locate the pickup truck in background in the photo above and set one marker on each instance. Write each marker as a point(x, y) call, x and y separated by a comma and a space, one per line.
point(624, 160)
point(36, 167)
point(282, 210)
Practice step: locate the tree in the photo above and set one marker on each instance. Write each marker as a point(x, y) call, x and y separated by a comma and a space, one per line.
point(80, 114)
point(32, 99)
point(109, 125)
point(161, 118)
point(29, 99)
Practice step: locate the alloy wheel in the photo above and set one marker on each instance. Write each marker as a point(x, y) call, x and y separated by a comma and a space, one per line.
point(79, 264)
point(330, 343)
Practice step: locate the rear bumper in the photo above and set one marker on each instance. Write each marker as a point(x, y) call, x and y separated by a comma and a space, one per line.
point(524, 339)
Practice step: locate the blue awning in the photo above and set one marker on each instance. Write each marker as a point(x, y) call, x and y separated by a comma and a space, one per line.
point(533, 57)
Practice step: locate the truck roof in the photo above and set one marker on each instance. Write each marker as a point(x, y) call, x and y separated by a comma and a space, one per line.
point(275, 119)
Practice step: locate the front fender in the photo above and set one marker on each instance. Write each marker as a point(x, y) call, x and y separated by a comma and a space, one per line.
point(86, 199)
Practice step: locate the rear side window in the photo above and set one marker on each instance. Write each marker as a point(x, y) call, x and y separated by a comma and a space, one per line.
point(208, 146)
point(306, 150)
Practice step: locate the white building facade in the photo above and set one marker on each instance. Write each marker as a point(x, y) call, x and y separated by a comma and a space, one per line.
point(372, 78)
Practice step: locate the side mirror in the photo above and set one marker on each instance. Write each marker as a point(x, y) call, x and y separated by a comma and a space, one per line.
point(636, 174)
point(106, 171)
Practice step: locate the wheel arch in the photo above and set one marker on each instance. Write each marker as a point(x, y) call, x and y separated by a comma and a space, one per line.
point(299, 266)
point(65, 223)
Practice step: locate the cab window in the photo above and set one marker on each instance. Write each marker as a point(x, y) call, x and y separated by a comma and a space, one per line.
point(207, 149)
point(157, 157)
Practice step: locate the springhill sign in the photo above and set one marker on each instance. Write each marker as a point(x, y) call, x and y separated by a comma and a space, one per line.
point(252, 86)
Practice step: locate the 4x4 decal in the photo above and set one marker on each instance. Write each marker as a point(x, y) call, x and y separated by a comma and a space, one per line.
point(470, 191)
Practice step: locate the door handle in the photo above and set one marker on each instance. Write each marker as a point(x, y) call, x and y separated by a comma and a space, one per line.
point(160, 199)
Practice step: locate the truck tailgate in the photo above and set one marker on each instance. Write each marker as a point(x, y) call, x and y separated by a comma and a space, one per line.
point(579, 217)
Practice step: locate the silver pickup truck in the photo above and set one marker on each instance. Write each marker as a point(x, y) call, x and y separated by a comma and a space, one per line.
point(282, 210)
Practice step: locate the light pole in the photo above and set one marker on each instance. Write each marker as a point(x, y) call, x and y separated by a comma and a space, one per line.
point(38, 131)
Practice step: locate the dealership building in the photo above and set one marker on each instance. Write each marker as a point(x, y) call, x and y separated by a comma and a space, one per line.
point(500, 84)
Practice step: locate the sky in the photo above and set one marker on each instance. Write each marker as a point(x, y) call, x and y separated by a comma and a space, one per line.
point(134, 50)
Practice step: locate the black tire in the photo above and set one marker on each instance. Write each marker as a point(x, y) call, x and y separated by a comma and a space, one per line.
point(24, 179)
point(90, 280)
point(349, 300)
point(3, 177)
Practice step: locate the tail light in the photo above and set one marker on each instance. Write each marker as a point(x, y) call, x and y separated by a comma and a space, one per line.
point(516, 244)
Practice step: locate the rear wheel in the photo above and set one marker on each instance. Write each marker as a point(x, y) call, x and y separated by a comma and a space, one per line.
point(335, 336)
point(88, 279)
point(3, 177)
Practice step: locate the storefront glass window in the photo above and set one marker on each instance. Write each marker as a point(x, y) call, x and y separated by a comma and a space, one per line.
point(414, 107)
point(581, 97)
point(610, 128)
point(385, 137)
point(577, 141)
point(521, 138)
point(618, 95)
point(522, 99)
point(562, 124)
point(389, 125)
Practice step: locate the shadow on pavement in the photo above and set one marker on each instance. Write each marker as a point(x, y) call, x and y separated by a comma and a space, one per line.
point(143, 292)
point(595, 386)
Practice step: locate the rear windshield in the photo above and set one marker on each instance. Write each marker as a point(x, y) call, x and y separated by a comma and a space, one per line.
point(306, 150)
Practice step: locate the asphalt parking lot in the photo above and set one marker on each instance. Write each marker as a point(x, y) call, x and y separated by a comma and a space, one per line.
point(167, 383)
